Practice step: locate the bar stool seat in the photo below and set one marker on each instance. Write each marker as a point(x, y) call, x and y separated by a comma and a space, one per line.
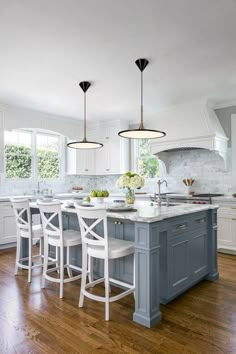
point(117, 249)
point(37, 232)
point(70, 238)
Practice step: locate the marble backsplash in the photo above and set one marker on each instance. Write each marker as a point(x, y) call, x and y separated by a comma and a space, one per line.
point(206, 167)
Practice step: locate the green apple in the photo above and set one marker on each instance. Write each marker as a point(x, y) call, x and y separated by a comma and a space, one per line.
point(93, 194)
point(105, 194)
point(88, 200)
point(99, 194)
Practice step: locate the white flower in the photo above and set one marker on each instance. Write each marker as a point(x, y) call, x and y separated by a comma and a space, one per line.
point(133, 182)
point(123, 182)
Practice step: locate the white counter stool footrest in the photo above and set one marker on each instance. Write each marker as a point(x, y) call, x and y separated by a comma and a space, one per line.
point(102, 247)
point(54, 235)
point(26, 230)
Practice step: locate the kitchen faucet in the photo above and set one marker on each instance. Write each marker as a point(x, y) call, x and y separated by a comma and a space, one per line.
point(38, 189)
point(158, 198)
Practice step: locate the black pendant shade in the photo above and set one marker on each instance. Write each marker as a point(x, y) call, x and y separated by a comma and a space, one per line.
point(84, 144)
point(141, 132)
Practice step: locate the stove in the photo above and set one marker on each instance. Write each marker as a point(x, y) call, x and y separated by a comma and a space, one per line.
point(198, 198)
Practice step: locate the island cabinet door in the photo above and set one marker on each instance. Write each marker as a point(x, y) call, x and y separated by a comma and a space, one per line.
point(178, 264)
point(124, 266)
point(198, 255)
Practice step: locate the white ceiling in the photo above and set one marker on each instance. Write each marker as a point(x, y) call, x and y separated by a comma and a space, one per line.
point(47, 47)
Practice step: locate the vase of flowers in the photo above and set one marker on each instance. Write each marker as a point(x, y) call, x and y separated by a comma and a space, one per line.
point(130, 181)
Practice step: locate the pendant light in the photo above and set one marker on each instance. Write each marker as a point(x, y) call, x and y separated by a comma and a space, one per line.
point(84, 144)
point(141, 132)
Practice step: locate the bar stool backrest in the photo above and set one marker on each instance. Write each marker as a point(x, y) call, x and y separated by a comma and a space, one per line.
point(23, 218)
point(51, 216)
point(89, 218)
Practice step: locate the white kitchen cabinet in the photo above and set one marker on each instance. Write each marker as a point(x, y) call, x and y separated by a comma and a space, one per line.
point(112, 158)
point(227, 228)
point(7, 224)
point(233, 146)
point(80, 162)
point(108, 159)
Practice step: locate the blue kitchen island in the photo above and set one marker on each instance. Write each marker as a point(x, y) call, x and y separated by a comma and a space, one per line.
point(175, 248)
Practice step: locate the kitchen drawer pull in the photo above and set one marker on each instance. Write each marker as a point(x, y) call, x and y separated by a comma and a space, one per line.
point(107, 169)
point(86, 169)
point(201, 221)
point(233, 219)
point(233, 207)
point(181, 226)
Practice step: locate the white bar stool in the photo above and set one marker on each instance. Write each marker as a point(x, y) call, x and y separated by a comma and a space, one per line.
point(106, 248)
point(55, 236)
point(25, 229)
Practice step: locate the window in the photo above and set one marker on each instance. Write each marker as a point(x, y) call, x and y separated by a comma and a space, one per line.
point(18, 154)
point(147, 164)
point(47, 156)
point(32, 154)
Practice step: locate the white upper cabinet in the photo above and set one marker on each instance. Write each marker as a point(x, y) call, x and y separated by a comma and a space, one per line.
point(80, 162)
point(108, 159)
point(112, 158)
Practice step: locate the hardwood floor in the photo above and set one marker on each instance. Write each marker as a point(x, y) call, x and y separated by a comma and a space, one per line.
point(203, 320)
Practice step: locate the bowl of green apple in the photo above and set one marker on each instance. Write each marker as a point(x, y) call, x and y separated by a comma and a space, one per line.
point(97, 196)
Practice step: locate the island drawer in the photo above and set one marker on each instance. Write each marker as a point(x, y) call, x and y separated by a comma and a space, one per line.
point(180, 225)
point(199, 220)
point(188, 223)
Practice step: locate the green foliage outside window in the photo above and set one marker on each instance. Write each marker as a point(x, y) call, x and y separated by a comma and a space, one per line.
point(48, 164)
point(148, 164)
point(19, 162)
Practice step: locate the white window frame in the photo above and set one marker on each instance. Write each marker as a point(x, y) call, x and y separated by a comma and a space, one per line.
point(134, 159)
point(34, 177)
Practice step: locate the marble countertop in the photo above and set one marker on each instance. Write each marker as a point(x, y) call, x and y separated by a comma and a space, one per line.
point(70, 196)
point(148, 214)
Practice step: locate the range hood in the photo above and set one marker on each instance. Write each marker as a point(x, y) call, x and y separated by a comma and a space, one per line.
point(190, 126)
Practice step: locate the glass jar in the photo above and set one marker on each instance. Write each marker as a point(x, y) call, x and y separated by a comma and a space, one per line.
point(130, 196)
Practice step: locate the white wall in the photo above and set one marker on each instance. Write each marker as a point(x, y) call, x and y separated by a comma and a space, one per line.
point(17, 117)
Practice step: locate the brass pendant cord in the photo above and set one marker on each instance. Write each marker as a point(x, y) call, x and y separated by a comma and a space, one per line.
point(85, 133)
point(141, 124)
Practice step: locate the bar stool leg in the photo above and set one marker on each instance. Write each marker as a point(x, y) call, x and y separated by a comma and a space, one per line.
point(30, 261)
point(57, 264)
point(90, 269)
point(41, 249)
point(107, 289)
point(61, 271)
point(134, 274)
point(84, 274)
point(18, 245)
point(69, 271)
point(45, 262)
